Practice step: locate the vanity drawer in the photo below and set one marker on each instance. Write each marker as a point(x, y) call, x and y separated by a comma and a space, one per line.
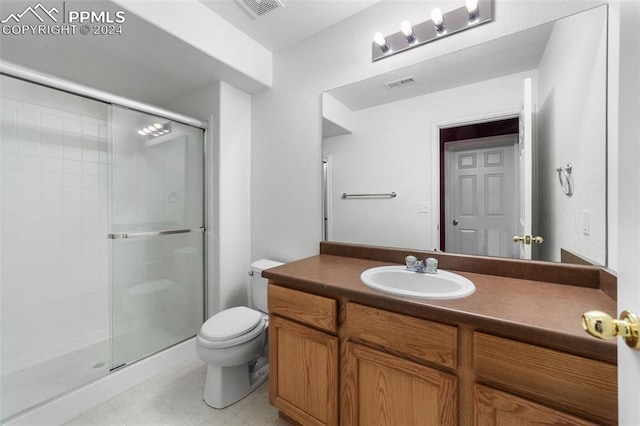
point(310, 309)
point(416, 338)
point(576, 384)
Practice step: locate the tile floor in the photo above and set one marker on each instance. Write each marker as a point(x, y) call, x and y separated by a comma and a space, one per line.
point(175, 398)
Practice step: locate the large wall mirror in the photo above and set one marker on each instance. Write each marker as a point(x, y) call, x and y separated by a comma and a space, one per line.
point(498, 149)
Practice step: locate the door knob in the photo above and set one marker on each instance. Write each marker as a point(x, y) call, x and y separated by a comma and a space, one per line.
point(603, 326)
point(528, 239)
point(455, 222)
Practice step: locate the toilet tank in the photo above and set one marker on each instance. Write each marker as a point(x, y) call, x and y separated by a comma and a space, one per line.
point(258, 285)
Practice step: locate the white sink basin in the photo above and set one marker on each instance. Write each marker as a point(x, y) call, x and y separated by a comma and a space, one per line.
point(399, 281)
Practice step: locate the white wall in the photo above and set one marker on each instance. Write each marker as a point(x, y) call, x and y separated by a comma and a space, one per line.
point(337, 119)
point(392, 150)
point(228, 147)
point(286, 120)
point(238, 55)
point(234, 227)
point(570, 77)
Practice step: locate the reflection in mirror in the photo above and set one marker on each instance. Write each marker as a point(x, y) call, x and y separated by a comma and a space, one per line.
point(470, 142)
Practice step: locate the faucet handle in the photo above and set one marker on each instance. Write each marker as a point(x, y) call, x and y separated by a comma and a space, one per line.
point(410, 261)
point(431, 265)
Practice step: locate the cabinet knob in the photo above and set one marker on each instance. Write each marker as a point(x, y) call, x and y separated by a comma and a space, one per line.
point(604, 326)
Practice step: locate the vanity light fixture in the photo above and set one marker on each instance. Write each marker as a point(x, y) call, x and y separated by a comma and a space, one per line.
point(382, 43)
point(471, 14)
point(438, 21)
point(407, 31)
point(472, 10)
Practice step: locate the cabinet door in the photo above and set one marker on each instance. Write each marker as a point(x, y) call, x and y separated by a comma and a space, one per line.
point(383, 389)
point(303, 381)
point(496, 408)
point(579, 385)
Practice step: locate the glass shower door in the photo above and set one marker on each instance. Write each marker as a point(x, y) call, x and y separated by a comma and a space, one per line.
point(157, 234)
point(54, 307)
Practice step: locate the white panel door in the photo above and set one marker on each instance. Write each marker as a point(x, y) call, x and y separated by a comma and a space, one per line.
point(482, 213)
point(629, 205)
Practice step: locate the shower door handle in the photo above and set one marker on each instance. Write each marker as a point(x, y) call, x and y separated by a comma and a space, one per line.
point(126, 235)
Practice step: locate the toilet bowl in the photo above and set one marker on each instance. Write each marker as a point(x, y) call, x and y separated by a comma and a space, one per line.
point(233, 344)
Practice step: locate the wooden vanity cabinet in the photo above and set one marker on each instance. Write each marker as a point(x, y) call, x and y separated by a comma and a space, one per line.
point(497, 408)
point(303, 353)
point(387, 381)
point(386, 368)
point(390, 390)
point(563, 382)
point(413, 338)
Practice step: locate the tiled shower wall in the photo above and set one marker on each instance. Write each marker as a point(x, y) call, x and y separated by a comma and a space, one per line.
point(54, 213)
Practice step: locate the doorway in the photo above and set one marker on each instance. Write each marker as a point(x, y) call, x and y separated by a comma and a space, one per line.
point(478, 188)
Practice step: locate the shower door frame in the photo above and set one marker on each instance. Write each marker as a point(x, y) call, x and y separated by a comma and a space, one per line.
point(42, 79)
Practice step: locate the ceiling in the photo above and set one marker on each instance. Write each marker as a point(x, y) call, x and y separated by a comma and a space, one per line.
point(147, 64)
point(511, 54)
point(283, 27)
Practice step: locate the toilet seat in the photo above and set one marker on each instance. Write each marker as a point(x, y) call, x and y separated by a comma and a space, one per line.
point(231, 327)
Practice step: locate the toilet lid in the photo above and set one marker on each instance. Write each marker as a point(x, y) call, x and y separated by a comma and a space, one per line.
point(230, 323)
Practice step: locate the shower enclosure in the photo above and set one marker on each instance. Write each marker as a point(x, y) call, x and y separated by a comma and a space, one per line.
point(102, 239)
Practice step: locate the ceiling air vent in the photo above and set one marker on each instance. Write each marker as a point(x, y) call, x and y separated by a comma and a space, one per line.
point(400, 83)
point(257, 8)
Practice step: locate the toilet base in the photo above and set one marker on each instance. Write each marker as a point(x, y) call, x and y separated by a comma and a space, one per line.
point(227, 385)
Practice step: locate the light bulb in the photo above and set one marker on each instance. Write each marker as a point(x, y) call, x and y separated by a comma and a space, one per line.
point(472, 9)
point(381, 41)
point(436, 17)
point(158, 126)
point(141, 133)
point(146, 131)
point(407, 30)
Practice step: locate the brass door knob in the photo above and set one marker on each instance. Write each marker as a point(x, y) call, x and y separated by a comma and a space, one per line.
point(528, 239)
point(603, 326)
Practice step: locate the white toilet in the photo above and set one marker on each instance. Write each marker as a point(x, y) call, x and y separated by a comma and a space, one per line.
point(233, 343)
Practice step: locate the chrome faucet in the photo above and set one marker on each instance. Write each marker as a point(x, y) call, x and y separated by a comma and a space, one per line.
point(427, 266)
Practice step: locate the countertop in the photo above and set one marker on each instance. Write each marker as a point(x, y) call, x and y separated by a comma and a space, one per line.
point(536, 312)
